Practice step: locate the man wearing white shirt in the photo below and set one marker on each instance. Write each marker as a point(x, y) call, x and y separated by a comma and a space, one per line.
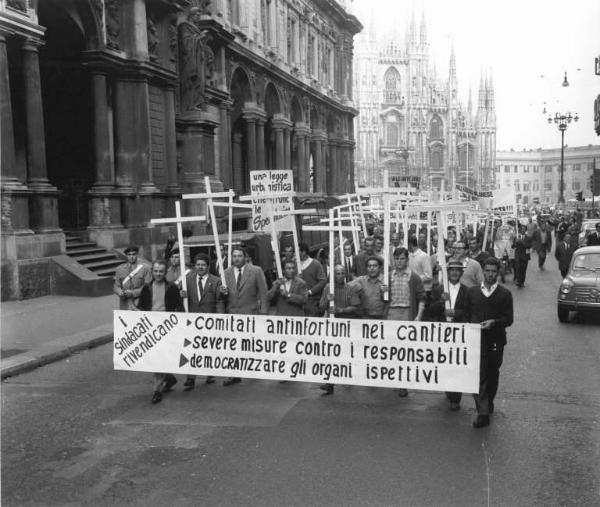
point(420, 263)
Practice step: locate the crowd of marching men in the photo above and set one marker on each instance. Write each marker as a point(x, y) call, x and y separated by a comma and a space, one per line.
point(413, 291)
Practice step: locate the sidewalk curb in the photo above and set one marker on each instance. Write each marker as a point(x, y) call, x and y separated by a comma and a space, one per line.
point(53, 351)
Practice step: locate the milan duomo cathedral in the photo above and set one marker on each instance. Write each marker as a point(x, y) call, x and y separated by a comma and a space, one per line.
point(412, 122)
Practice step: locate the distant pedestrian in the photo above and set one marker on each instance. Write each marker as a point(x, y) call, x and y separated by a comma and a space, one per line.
point(522, 245)
point(542, 243)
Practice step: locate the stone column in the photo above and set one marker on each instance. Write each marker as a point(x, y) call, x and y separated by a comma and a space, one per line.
point(15, 208)
point(36, 146)
point(103, 158)
point(225, 143)
point(43, 204)
point(318, 163)
point(287, 148)
point(301, 176)
point(104, 207)
point(260, 144)
point(279, 150)
point(251, 143)
point(173, 186)
point(332, 173)
point(238, 169)
point(10, 173)
point(280, 125)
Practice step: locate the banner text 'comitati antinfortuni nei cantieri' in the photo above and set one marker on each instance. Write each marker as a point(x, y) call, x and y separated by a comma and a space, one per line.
point(432, 356)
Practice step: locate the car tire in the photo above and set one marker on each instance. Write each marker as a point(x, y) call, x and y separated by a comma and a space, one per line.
point(563, 314)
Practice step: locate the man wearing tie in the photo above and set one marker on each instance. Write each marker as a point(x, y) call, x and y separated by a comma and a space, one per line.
point(521, 244)
point(204, 296)
point(245, 292)
point(563, 253)
point(349, 262)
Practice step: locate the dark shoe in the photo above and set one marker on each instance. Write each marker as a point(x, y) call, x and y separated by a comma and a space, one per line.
point(491, 407)
point(210, 380)
point(454, 406)
point(232, 380)
point(328, 388)
point(156, 397)
point(481, 421)
point(170, 381)
point(403, 393)
point(189, 384)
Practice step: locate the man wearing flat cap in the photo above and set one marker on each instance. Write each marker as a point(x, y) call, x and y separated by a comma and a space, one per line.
point(130, 278)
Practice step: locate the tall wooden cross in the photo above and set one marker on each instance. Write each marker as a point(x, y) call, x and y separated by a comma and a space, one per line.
point(330, 228)
point(272, 226)
point(178, 220)
point(209, 196)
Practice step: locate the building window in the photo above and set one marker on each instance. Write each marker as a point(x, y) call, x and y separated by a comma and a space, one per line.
point(516, 168)
point(506, 168)
point(548, 186)
point(536, 168)
point(547, 168)
point(517, 186)
point(311, 58)
point(576, 167)
point(576, 186)
point(437, 159)
point(435, 128)
point(392, 134)
point(536, 187)
point(525, 187)
point(391, 92)
point(526, 168)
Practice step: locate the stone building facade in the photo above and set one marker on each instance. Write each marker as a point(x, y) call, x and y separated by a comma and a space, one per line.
point(412, 122)
point(112, 108)
point(535, 174)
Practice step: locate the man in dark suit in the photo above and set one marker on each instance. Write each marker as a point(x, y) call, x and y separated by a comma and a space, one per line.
point(158, 295)
point(204, 296)
point(290, 293)
point(522, 246)
point(491, 306)
point(245, 292)
point(564, 253)
point(594, 237)
point(542, 243)
point(349, 261)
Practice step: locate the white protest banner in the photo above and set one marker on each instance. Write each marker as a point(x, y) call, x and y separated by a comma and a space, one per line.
point(431, 356)
point(504, 199)
point(271, 182)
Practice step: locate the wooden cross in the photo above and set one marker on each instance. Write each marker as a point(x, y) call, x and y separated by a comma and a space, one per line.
point(209, 196)
point(273, 228)
point(178, 220)
point(331, 227)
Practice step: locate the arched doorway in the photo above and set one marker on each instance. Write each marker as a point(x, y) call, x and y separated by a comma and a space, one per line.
point(68, 111)
point(240, 92)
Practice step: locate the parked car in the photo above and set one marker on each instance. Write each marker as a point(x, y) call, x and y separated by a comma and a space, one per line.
point(580, 290)
point(587, 226)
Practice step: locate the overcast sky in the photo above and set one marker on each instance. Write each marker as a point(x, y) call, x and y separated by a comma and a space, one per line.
point(526, 44)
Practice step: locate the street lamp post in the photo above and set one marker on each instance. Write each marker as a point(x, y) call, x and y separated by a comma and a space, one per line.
point(562, 120)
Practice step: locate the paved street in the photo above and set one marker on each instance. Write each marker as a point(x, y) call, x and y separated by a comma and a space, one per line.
point(77, 432)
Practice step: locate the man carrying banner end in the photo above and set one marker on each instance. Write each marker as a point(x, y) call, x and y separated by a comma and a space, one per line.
point(158, 295)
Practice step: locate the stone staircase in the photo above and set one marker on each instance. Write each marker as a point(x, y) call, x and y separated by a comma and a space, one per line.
point(98, 260)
